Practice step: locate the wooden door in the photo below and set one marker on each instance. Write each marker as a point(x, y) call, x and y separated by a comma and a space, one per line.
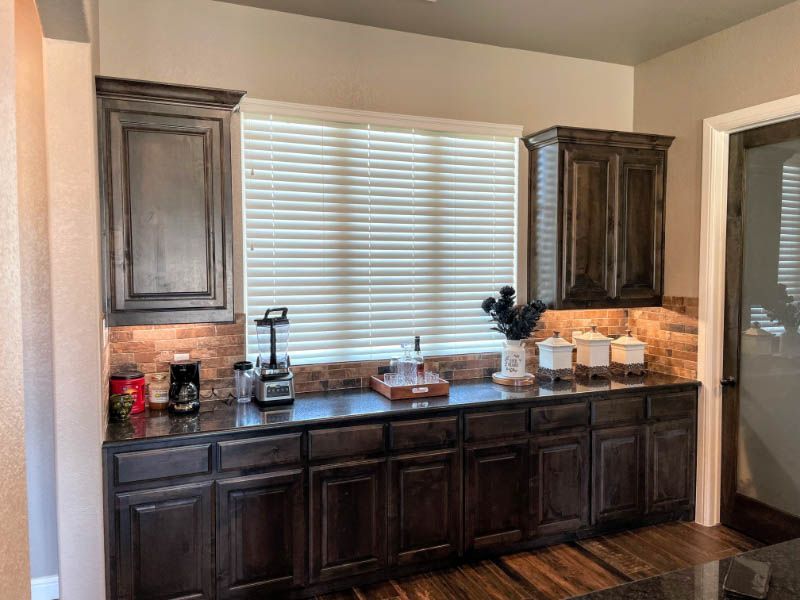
point(424, 507)
point(760, 493)
point(670, 465)
point(640, 237)
point(348, 519)
point(496, 494)
point(260, 534)
point(591, 186)
point(164, 543)
point(167, 205)
point(617, 474)
point(559, 483)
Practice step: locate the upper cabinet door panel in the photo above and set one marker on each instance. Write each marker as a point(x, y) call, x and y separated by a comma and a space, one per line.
point(589, 215)
point(166, 185)
point(641, 224)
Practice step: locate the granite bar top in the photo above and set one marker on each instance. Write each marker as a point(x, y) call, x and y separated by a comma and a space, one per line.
point(342, 405)
point(704, 582)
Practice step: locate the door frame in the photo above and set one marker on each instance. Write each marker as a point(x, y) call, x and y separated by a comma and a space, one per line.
point(713, 228)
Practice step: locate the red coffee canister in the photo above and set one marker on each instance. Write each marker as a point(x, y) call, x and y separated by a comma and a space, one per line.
point(129, 382)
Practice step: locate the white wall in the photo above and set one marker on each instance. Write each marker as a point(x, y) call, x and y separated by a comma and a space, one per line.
point(751, 63)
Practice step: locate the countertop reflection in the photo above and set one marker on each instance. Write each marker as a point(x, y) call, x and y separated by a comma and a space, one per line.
point(704, 582)
point(218, 416)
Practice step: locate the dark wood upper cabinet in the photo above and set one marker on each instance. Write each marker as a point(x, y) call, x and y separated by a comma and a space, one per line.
point(596, 235)
point(165, 183)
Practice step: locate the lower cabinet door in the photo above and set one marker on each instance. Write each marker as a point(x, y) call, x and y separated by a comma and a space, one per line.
point(348, 519)
point(617, 474)
point(424, 507)
point(670, 465)
point(560, 483)
point(496, 494)
point(260, 534)
point(164, 543)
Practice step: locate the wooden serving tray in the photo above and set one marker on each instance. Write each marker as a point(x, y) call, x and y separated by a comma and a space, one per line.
point(404, 392)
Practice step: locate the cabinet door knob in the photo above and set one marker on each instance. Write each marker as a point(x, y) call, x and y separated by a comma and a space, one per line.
point(727, 381)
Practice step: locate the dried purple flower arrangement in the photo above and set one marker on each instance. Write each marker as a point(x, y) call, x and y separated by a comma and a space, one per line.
point(514, 322)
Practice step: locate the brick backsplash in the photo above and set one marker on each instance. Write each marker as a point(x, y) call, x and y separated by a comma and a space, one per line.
point(670, 332)
point(150, 348)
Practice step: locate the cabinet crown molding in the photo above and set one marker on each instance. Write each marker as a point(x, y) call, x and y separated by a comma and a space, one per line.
point(606, 137)
point(135, 89)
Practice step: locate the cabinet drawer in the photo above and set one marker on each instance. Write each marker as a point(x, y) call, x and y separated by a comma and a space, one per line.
point(263, 452)
point(424, 433)
point(346, 441)
point(546, 418)
point(618, 411)
point(130, 467)
point(488, 425)
point(669, 406)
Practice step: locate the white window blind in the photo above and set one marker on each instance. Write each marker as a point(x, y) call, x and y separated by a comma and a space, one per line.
point(789, 245)
point(371, 234)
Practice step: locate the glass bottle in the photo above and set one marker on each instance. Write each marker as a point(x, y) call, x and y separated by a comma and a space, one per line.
point(406, 366)
point(419, 362)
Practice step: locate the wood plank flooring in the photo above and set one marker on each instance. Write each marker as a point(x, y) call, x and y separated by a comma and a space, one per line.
point(566, 570)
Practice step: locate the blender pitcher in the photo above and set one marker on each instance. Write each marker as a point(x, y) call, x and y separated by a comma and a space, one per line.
point(274, 381)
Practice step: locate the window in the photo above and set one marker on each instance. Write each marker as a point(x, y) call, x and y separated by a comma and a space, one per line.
point(371, 229)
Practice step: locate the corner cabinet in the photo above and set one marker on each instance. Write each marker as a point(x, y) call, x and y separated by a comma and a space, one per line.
point(596, 230)
point(165, 184)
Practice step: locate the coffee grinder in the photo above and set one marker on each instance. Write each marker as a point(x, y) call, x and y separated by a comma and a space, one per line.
point(184, 387)
point(274, 382)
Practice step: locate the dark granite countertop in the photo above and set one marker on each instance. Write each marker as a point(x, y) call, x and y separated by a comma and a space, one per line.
point(343, 405)
point(704, 582)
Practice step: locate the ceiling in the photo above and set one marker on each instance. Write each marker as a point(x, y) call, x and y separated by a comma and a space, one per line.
point(620, 31)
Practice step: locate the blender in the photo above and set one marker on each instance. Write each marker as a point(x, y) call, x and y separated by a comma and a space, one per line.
point(274, 382)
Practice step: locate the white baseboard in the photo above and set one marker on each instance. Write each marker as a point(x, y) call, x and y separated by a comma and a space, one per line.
point(44, 588)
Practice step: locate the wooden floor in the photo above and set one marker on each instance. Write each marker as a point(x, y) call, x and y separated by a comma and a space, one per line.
point(566, 570)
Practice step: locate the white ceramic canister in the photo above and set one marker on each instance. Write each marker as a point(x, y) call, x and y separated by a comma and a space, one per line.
point(555, 358)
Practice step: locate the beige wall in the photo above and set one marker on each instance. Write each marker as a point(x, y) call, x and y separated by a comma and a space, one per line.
point(279, 56)
point(748, 64)
point(35, 281)
point(76, 316)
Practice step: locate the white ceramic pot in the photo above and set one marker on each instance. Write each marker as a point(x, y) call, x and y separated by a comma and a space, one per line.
point(513, 359)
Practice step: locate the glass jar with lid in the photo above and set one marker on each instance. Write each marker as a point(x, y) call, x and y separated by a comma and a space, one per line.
point(159, 391)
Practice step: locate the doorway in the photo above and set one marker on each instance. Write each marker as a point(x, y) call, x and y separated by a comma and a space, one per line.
point(760, 477)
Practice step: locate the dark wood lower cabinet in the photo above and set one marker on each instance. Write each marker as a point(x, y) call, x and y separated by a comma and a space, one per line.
point(618, 473)
point(424, 507)
point(348, 519)
point(496, 494)
point(164, 544)
point(260, 534)
point(670, 465)
point(559, 483)
point(303, 511)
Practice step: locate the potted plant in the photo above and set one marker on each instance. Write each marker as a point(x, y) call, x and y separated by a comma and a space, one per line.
point(516, 322)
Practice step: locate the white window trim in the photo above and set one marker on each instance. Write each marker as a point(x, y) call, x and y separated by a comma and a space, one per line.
point(310, 111)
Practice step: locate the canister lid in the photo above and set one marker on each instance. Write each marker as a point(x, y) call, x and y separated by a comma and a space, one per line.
point(126, 375)
point(556, 341)
point(242, 365)
point(594, 336)
point(628, 340)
